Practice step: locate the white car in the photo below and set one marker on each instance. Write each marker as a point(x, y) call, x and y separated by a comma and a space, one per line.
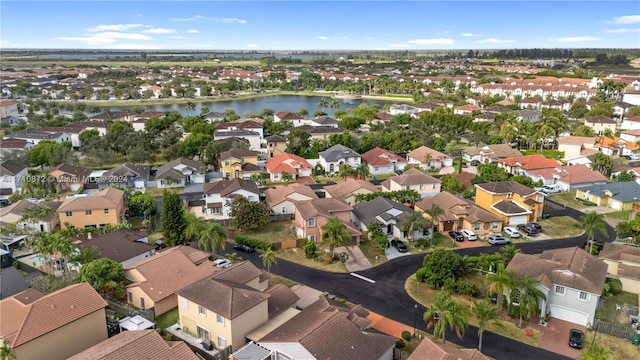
point(469, 235)
point(222, 263)
point(512, 232)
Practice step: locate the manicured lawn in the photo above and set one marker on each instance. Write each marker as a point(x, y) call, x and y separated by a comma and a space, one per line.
point(608, 310)
point(620, 215)
point(567, 199)
point(441, 241)
point(272, 232)
point(167, 319)
point(275, 279)
point(160, 192)
point(559, 227)
point(297, 256)
point(370, 250)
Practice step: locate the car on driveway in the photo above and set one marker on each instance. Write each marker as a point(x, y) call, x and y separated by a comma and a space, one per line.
point(575, 338)
point(399, 245)
point(469, 235)
point(528, 230)
point(498, 240)
point(512, 232)
point(222, 263)
point(244, 248)
point(536, 226)
point(456, 235)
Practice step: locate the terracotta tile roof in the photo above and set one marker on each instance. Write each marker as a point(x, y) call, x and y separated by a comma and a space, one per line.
point(77, 172)
point(432, 350)
point(5, 103)
point(227, 187)
point(31, 314)
point(349, 187)
point(629, 271)
point(134, 345)
point(530, 162)
point(465, 178)
point(420, 153)
point(294, 192)
point(456, 207)
point(497, 151)
point(170, 270)
point(281, 298)
point(322, 206)
point(108, 198)
point(635, 132)
point(616, 143)
point(286, 163)
point(242, 272)
point(571, 174)
point(414, 177)
point(384, 116)
point(288, 115)
point(503, 187)
point(617, 252)
point(381, 157)
point(576, 140)
point(469, 107)
point(571, 267)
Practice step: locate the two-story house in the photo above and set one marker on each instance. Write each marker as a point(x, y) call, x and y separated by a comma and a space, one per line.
point(569, 177)
point(521, 165)
point(27, 219)
point(239, 164)
point(390, 215)
point(615, 146)
point(381, 161)
point(126, 175)
point(104, 208)
point(426, 158)
point(460, 214)
point(332, 158)
point(9, 108)
point(13, 174)
point(413, 179)
point(293, 165)
point(70, 177)
point(571, 280)
point(180, 172)
point(349, 189)
point(34, 136)
point(220, 194)
point(276, 145)
point(513, 202)
point(623, 263)
point(282, 199)
point(577, 149)
point(312, 215)
point(293, 118)
point(223, 308)
point(600, 124)
point(253, 137)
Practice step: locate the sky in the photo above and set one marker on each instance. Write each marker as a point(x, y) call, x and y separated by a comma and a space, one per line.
point(318, 25)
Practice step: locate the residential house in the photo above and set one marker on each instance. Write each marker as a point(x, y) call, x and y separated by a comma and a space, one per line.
point(484, 117)
point(55, 325)
point(577, 149)
point(10, 146)
point(307, 334)
point(623, 263)
point(630, 122)
point(461, 214)
point(291, 164)
point(429, 349)
point(531, 103)
point(282, 199)
point(533, 116)
point(293, 118)
point(381, 161)
point(232, 143)
point(630, 135)
point(219, 194)
point(155, 280)
point(332, 158)
point(69, 177)
point(34, 136)
point(621, 108)
point(126, 247)
point(239, 164)
point(349, 190)
point(427, 158)
point(318, 132)
point(9, 108)
point(571, 280)
point(149, 91)
point(312, 215)
point(521, 165)
point(112, 116)
point(631, 95)
point(12, 282)
point(568, 177)
point(619, 196)
point(413, 179)
point(254, 125)
point(390, 215)
point(213, 116)
point(403, 109)
point(16, 214)
point(126, 175)
point(615, 146)
point(323, 121)
point(224, 307)
point(104, 208)
point(513, 202)
point(466, 109)
point(382, 117)
point(600, 124)
point(254, 137)
point(180, 172)
point(139, 344)
point(276, 145)
point(13, 175)
point(465, 178)
point(489, 153)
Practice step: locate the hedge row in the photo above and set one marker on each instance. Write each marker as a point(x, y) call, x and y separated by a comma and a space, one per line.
point(258, 244)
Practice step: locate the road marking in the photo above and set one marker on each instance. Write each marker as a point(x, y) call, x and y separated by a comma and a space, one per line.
point(363, 278)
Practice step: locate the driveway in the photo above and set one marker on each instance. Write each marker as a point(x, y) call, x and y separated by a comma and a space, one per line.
point(392, 253)
point(555, 337)
point(356, 260)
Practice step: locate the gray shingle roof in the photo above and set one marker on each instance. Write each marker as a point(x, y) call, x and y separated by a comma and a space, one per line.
point(11, 167)
point(168, 169)
point(623, 191)
point(337, 153)
point(367, 211)
point(11, 282)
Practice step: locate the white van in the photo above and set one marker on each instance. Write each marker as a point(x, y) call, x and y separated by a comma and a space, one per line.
point(550, 189)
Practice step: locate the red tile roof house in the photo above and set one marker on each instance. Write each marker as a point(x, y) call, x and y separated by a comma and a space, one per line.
point(287, 163)
point(466, 109)
point(292, 117)
point(571, 279)
point(522, 164)
point(282, 199)
point(381, 161)
point(435, 350)
point(569, 177)
point(312, 215)
point(427, 158)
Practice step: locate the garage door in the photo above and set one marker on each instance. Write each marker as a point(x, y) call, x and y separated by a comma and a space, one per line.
point(563, 313)
point(517, 220)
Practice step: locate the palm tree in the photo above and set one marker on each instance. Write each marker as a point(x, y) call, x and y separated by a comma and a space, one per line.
point(508, 252)
point(362, 171)
point(189, 106)
point(35, 213)
point(204, 111)
point(212, 237)
point(6, 352)
point(485, 312)
point(286, 177)
point(234, 258)
point(446, 312)
point(593, 223)
point(269, 258)
point(528, 295)
point(323, 104)
point(335, 234)
point(413, 222)
point(500, 282)
point(303, 112)
point(195, 225)
point(434, 213)
point(345, 170)
point(335, 104)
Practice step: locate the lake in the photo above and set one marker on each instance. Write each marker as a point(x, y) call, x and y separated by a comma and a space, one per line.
point(254, 106)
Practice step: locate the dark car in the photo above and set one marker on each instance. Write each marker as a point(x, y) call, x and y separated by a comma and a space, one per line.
point(475, 162)
point(456, 235)
point(536, 226)
point(528, 230)
point(575, 338)
point(244, 248)
point(399, 245)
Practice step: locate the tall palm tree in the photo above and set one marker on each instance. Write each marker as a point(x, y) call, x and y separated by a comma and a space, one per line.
point(446, 312)
point(508, 252)
point(212, 237)
point(269, 258)
point(485, 312)
point(195, 225)
point(528, 296)
point(500, 282)
point(362, 171)
point(593, 223)
point(345, 170)
point(234, 257)
point(286, 177)
point(434, 213)
point(323, 104)
point(413, 222)
point(335, 104)
point(335, 234)
point(189, 106)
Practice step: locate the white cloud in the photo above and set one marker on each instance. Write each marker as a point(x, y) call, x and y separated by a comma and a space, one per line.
point(120, 35)
point(576, 39)
point(178, 37)
point(493, 41)
point(138, 15)
point(193, 18)
point(437, 41)
point(233, 21)
point(252, 45)
point(86, 39)
point(399, 46)
point(323, 38)
point(104, 37)
point(628, 19)
point(159, 31)
point(192, 31)
point(114, 27)
point(133, 46)
point(470, 35)
point(622, 30)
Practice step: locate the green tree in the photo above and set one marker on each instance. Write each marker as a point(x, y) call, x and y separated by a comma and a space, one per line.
point(486, 313)
point(234, 258)
point(335, 234)
point(194, 225)
point(450, 184)
point(593, 223)
point(248, 215)
point(268, 259)
point(377, 236)
point(212, 237)
point(35, 213)
point(6, 352)
point(362, 171)
point(446, 312)
point(173, 220)
point(413, 222)
point(143, 203)
point(490, 173)
point(595, 351)
point(335, 104)
point(441, 266)
point(527, 295)
point(625, 176)
point(345, 171)
point(434, 213)
point(501, 282)
point(105, 276)
point(189, 106)
point(508, 252)
point(286, 177)
point(323, 104)
point(602, 163)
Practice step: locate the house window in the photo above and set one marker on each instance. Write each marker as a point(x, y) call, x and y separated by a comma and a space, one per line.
point(276, 176)
point(476, 227)
point(312, 238)
point(185, 303)
point(202, 311)
point(220, 319)
point(376, 169)
point(584, 296)
point(227, 163)
point(202, 334)
point(284, 209)
point(495, 225)
point(560, 290)
point(129, 296)
point(421, 186)
point(142, 303)
point(539, 198)
point(222, 343)
point(408, 187)
point(87, 212)
point(509, 195)
point(251, 198)
point(68, 213)
point(312, 222)
point(433, 186)
point(106, 211)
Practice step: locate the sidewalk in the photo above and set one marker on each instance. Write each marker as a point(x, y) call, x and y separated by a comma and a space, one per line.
point(356, 261)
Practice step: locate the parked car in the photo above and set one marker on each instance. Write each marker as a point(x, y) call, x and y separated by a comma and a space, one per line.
point(399, 245)
point(575, 338)
point(244, 248)
point(469, 235)
point(512, 232)
point(536, 226)
point(550, 189)
point(222, 263)
point(498, 240)
point(475, 162)
point(527, 230)
point(456, 235)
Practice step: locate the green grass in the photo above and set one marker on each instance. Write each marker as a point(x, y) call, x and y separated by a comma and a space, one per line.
point(558, 227)
point(608, 310)
point(167, 319)
point(371, 252)
point(160, 192)
point(620, 215)
point(296, 255)
point(567, 199)
point(272, 232)
point(155, 236)
point(442, 241)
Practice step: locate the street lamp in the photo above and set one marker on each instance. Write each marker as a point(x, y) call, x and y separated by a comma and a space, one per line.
point(415, 312)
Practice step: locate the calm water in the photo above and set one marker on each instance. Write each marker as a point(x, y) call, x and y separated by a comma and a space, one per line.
point(255, 106)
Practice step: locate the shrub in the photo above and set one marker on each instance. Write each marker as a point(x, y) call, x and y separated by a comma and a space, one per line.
point(406, 335)
point(309, 249)
point(421, 274)
point(611, 288)
point(422, 242)
point(258, 244)
point(400, 344)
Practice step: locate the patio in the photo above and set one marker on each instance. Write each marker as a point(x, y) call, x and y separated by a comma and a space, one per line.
point(189, 339)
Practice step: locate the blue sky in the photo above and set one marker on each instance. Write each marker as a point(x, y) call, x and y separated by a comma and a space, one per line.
point(318, 25)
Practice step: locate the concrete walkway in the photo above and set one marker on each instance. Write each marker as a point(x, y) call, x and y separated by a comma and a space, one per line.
point(356, 261)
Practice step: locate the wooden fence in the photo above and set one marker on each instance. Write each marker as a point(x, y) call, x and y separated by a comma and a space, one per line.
point(399, 354)
point(281, 217)
point(287, 244)
point(623, 332)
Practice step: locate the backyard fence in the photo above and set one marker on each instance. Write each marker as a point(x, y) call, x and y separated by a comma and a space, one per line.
point(128, 310)
point(623, 332)
point(287, 244)
point(281, 217)
point(399, 354)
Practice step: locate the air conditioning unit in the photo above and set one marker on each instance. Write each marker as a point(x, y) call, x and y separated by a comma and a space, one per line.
point(207, 345)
